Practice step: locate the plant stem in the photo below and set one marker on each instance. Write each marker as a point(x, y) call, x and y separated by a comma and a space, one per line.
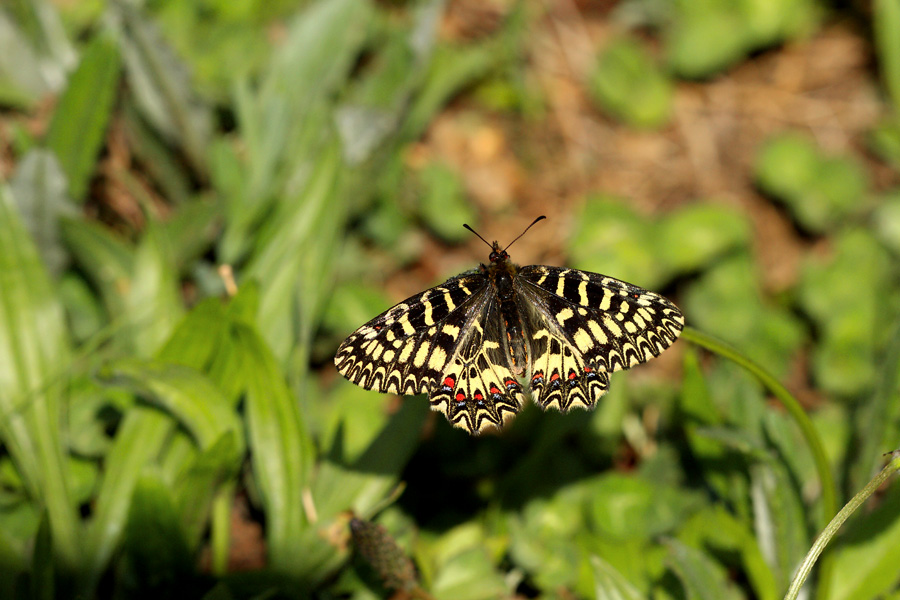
point(832, 528)
point(807, 429)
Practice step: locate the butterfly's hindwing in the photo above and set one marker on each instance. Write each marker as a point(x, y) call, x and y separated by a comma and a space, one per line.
point(405, 349)
point(478, 389)
point(585, 326)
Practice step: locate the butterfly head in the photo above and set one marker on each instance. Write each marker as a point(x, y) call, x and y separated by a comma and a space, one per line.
point(497, 255)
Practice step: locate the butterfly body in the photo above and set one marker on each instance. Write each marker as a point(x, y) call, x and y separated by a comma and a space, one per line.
point(471, 341)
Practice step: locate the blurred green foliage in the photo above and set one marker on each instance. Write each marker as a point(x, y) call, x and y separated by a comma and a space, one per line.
point(138, 408)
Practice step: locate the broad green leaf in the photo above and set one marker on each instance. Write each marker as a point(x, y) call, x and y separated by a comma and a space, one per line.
point(845, 293)
point(468, 575)
point(83, 308)
point(82, 113)
point(613, 239)
point(22, 81)
point(726, 299)
point(692, 237)
point(196, 487)
point(705, 40)
point(820, 191)
point(39, 190)
point(628, 84)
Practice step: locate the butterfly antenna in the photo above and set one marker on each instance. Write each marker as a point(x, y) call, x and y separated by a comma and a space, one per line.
point(540, 218)
point(476, 233)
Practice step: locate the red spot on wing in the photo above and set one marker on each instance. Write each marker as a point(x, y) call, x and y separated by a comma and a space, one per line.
point(478, 396)
point(460, 397)
point(588, 369)
point(494, 390)
point(538, 375)
point(449, 382)
point(554, 377)
point(572, 375)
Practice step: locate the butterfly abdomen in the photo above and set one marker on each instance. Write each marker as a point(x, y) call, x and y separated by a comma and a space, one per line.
point(501, 274)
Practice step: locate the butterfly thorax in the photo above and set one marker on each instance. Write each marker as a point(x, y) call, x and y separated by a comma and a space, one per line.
point(501, 273)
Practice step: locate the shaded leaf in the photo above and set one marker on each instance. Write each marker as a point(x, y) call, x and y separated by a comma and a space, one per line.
point(39, 190)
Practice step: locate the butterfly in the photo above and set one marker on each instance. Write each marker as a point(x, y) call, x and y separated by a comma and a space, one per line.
point(473, 341)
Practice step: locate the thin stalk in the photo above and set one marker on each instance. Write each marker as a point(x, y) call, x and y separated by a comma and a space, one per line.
point(807, 429)
point(832, 528)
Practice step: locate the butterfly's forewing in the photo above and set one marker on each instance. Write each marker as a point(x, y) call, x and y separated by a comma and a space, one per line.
point(584, 326)
point(405, 349)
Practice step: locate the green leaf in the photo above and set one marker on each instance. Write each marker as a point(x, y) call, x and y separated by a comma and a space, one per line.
point(722, 532)
point(886, 222)
point(886, 27)
point(35, 356)
point(198, 485)
point(182, 392)
point(280, 449)
point(83, 112)
point(705, 40)
point(701, 576)
point(627, 83)
point(139, 441)
point(39, 190)
point(444, 206)
point(161, 83)
point(152, 300)
point(726, 300)
point(820, 191)
point(154, 544)
point(22, 79)
point(613, 239)
point(609, 584)
point(844, 293)
point(694, 236)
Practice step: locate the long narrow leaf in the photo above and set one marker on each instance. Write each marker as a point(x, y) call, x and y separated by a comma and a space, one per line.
point(83, 112)
point(161, 83)
point(280, 447)
point(34, 357)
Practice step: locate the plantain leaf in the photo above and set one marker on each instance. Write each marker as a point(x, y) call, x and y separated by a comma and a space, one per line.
point(83, 113)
